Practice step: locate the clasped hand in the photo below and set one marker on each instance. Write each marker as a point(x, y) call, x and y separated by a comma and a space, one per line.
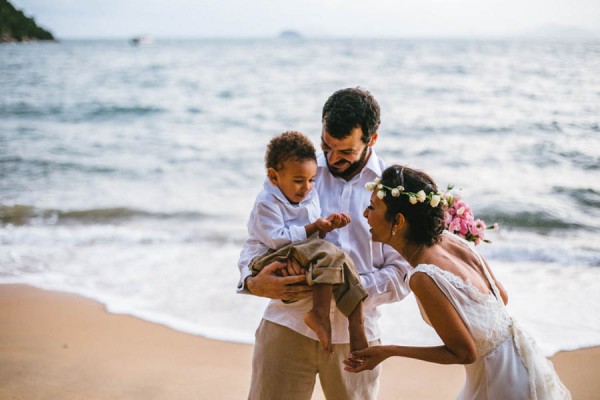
point(287, 280)
point(365, 359)
point(279, 280)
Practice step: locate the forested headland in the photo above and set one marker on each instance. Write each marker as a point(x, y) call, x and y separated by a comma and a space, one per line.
point(15, 26)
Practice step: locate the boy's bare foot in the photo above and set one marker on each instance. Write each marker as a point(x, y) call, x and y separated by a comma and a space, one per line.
point(321, 325)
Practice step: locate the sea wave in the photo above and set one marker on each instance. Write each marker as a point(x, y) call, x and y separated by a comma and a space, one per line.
point(532, 220)
point(587, 197)
point(19, 214)
point(78, 111)
point(108, 111)
point(12, 164)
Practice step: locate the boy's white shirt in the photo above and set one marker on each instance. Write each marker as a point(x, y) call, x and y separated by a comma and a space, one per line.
point(381, 268)
point(275, 222)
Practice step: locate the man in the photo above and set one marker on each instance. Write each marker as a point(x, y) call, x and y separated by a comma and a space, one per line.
point(287, 354)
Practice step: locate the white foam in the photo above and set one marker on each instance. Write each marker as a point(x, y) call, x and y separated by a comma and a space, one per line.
point(191, 287)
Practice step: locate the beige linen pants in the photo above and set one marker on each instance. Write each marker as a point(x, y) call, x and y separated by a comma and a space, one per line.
point(286, 363)
point(325, 263)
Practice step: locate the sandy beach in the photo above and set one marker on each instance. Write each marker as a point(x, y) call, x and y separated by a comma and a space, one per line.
point(62, 346)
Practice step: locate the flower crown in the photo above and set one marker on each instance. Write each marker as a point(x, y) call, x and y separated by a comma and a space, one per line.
point(433, 198)
point(458, 217)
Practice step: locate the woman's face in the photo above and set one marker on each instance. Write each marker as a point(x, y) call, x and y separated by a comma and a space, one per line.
point(381, 229)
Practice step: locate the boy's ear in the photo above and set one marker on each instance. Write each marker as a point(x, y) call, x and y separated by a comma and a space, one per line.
point(273, 175)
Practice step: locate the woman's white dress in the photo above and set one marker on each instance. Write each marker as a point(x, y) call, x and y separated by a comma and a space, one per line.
point(509, 364)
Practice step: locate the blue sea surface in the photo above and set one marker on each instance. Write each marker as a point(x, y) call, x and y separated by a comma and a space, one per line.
point(127, 173)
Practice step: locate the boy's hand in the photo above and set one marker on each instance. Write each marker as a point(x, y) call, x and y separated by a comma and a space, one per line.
point(323, 225)
point(338, 220)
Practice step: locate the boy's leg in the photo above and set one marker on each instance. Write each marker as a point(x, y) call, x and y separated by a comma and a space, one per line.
point(317, 318)
point(338, 384)
point(283, 365)
point(356, 329)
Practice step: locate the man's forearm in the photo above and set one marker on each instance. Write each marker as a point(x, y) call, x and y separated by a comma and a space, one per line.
point(384, 285)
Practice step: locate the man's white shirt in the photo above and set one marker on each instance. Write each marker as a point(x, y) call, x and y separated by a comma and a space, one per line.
point(381, 268)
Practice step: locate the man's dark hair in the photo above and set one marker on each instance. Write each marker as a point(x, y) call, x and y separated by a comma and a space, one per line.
point(349, 108)
point(290, 145)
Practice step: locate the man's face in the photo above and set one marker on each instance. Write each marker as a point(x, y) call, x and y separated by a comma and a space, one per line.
point(346, 157)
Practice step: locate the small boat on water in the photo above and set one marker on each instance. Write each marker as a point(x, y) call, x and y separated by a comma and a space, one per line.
point(141, 40)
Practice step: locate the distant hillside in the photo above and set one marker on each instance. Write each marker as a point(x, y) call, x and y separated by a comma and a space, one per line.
point(17, 27)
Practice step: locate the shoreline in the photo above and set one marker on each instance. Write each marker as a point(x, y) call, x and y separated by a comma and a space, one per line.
point(61, 345)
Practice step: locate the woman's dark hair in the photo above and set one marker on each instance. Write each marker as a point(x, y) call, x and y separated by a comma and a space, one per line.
point(349, 108)
point(290, 145)
point(425, 223)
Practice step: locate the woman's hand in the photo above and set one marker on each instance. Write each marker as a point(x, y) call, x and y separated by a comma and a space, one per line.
point(366, 359)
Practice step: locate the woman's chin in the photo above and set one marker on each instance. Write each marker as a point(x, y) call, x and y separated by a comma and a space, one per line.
point(374, 239)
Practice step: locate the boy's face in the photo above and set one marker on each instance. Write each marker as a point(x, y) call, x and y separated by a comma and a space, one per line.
point(295, 179)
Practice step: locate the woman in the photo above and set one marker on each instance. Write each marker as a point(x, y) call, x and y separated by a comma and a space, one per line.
point(457, 294)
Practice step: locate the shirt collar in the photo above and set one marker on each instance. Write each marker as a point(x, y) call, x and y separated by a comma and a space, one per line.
point(373, 164)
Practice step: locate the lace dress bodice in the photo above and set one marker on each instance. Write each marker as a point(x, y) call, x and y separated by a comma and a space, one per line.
point(484, 314)
point(509, 364)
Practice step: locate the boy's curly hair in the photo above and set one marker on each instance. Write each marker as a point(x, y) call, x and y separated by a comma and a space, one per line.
point(290, 145)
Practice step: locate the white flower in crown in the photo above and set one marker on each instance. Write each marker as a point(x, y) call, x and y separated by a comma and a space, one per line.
point(421, 196)
point(397, 191)
point(371, 186)
point(435, 200)
point(412, 199)
point(380, 194)
point(377, 181)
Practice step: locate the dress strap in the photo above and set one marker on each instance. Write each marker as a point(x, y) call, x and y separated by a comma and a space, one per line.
point(484, 268)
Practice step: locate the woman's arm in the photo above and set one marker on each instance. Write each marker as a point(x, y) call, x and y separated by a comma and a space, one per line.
point(459, 346)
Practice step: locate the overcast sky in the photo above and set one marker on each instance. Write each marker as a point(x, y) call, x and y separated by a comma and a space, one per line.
point(313, 18)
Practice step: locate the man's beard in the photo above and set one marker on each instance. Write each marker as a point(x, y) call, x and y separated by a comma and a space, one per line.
point(353, 167)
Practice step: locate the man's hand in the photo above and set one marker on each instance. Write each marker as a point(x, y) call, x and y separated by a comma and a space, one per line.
point(267, 283)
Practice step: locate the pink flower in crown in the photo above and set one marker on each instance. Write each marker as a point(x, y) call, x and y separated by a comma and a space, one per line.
point(459, 219)
point(475, 230)
point(464, 227)
point(454, 225)
point(480, 225)
point(448, 217)
point(461, 207)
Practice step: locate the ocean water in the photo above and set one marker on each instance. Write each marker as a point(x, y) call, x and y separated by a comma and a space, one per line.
point(127, 173)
